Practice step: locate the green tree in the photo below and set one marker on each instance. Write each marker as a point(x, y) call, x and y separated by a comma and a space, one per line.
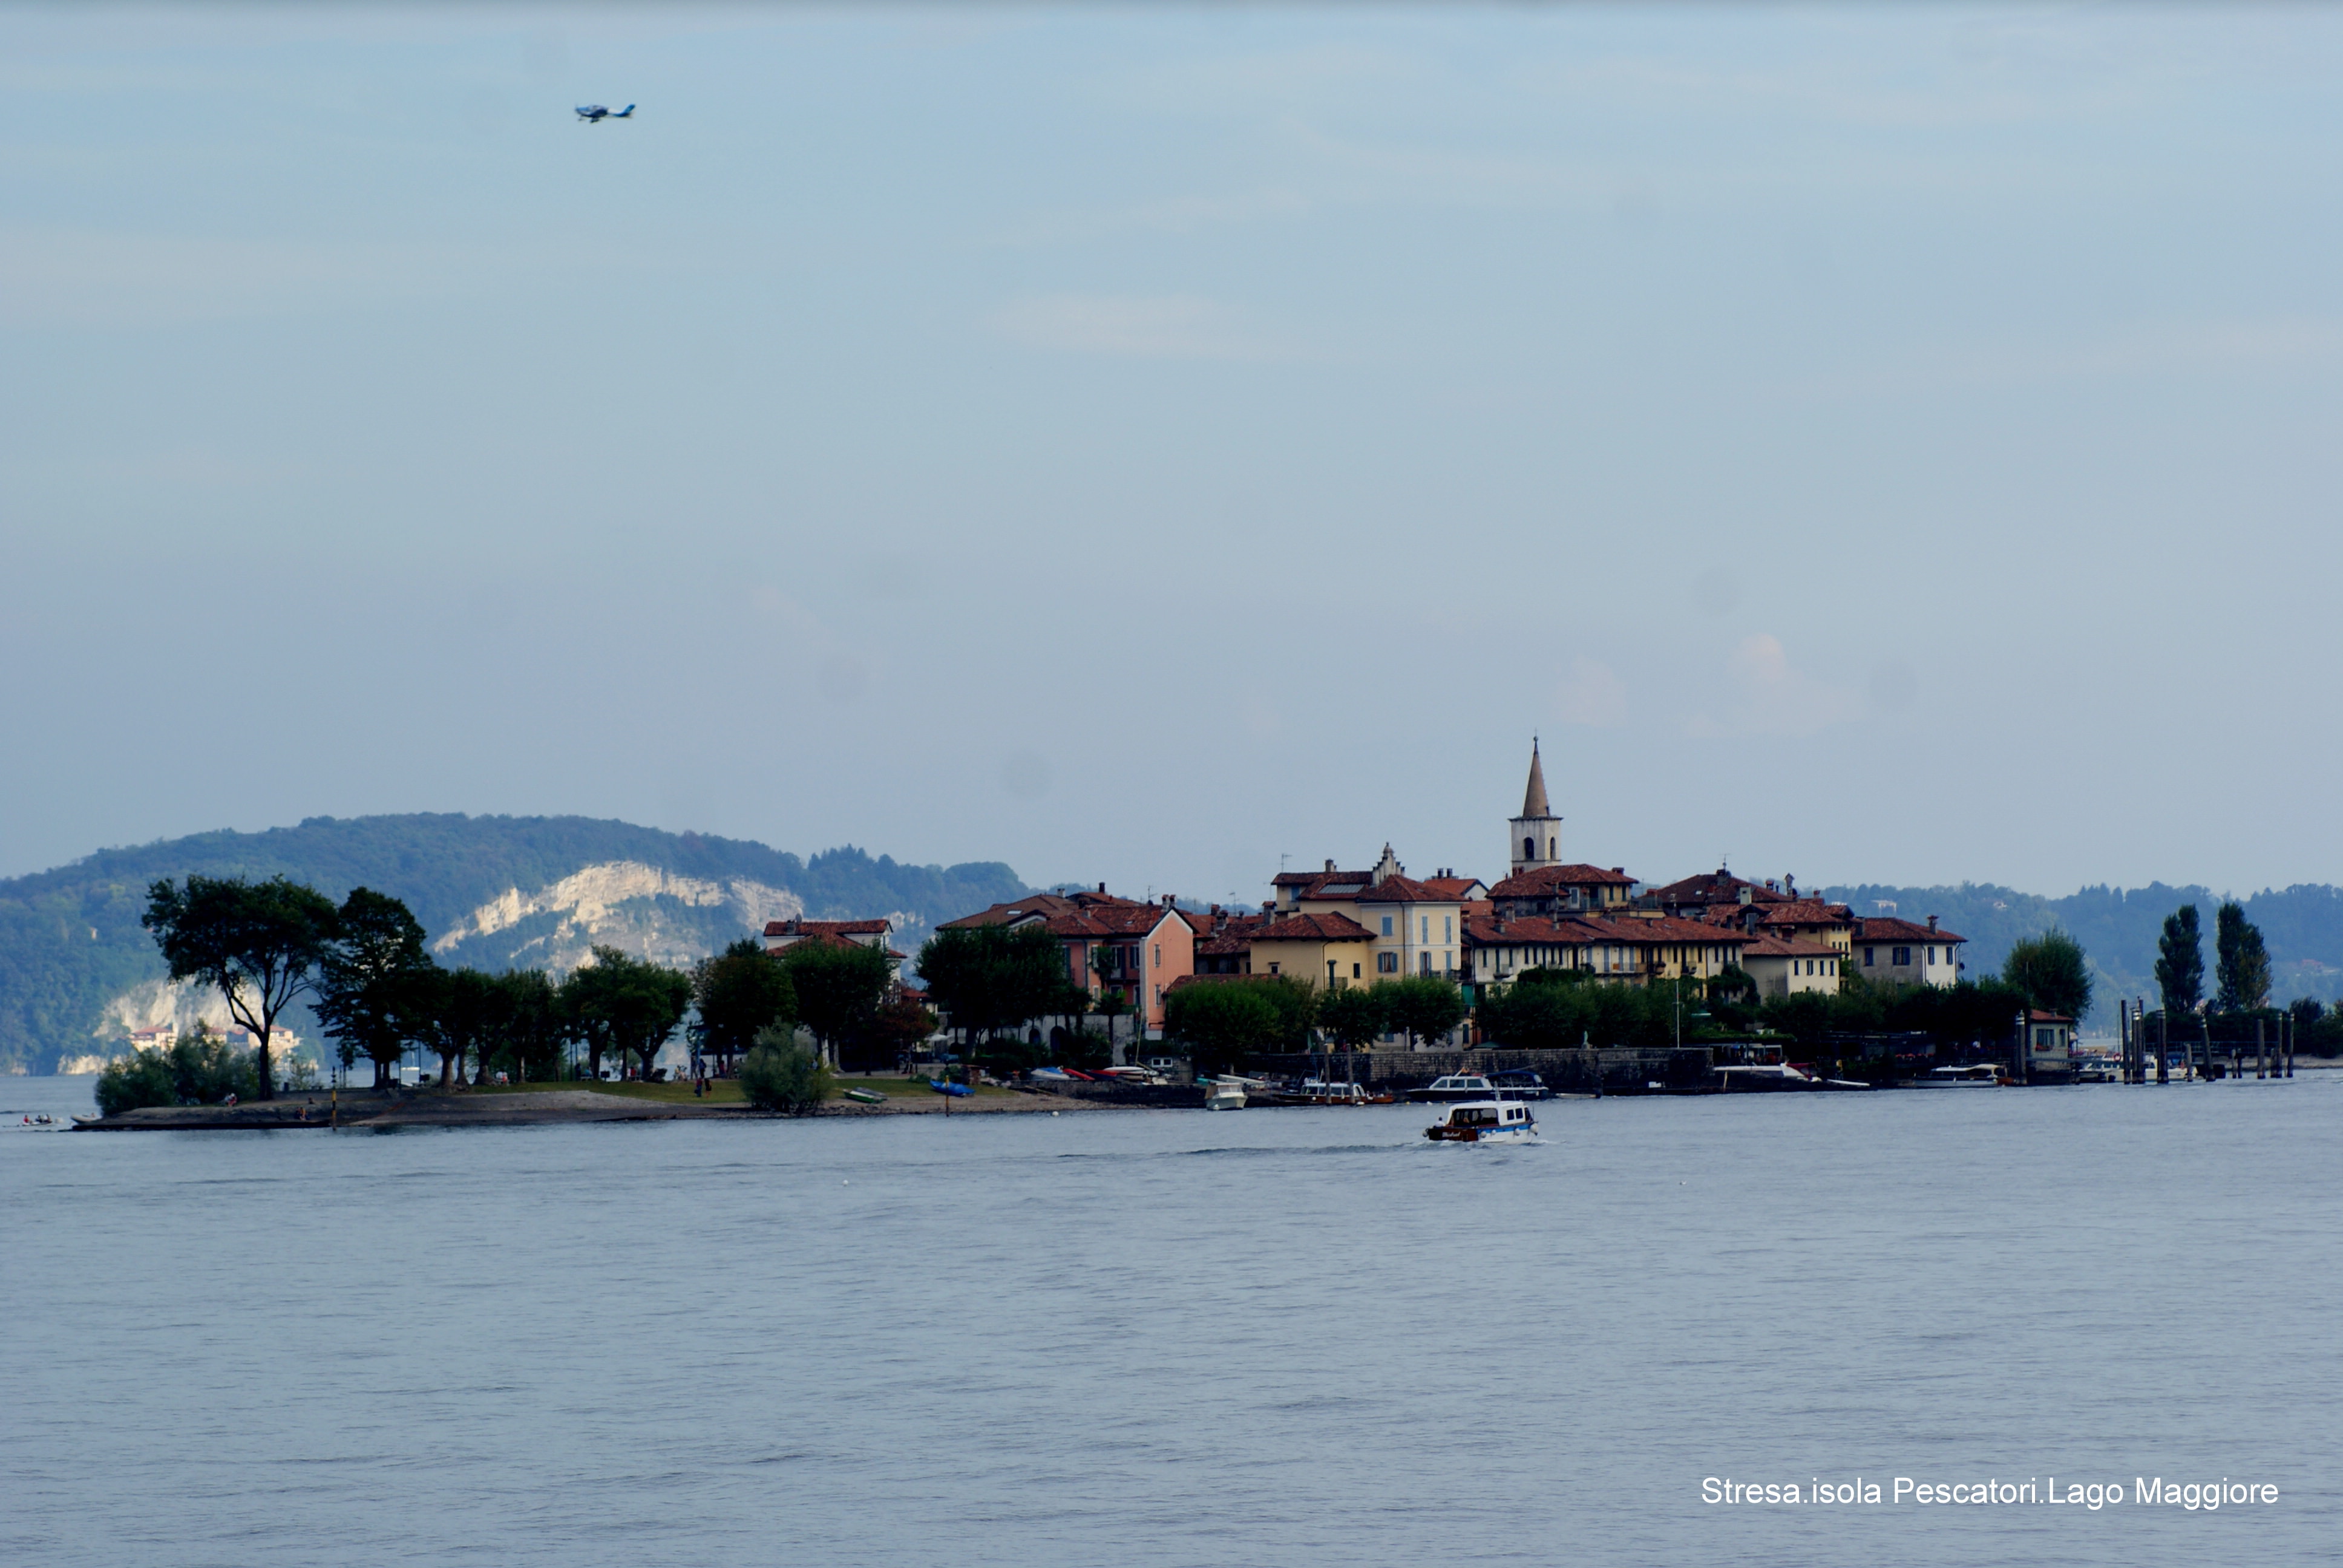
point(198, 1070)
point(892, 1033)
point(839, 987)
point(738, 992)
point(1421, 1005)
point(780, 1074)
point(1531, 1014)
point(1296, 1002)
point(459, 1014)
point(2053, 972)
point(257, 943)
point(625, 1004)
point(986, 978)
point(2180, 962)
point(1221, 1022)
point(1352, 1017)
point(374, 982)
point(529, 1029)
point(2242, 965)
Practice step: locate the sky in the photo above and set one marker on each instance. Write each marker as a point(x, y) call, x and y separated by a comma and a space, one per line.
point(1154, 444)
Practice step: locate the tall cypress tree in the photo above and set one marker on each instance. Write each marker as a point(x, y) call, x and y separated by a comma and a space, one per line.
point(2180, 960)
point(2244, 968)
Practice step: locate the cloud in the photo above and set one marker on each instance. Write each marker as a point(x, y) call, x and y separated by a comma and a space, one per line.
point(1773, 697)
point(1160, 326)
point(1590, 692)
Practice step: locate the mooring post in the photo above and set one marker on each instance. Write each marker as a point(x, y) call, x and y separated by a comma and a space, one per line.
point(2164, 1043)
point(2261, 1049)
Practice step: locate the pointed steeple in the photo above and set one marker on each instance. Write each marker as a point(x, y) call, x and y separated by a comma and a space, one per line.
point(1534, 804)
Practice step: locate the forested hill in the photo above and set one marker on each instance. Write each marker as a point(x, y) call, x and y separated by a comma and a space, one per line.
point(2303, 926)
point(76, 969)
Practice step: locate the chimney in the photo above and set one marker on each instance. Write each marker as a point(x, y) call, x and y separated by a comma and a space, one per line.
point(1102, 888)
point(1167, 901)
point(1745, 893)
point(1931, 922)
point(1330, 865)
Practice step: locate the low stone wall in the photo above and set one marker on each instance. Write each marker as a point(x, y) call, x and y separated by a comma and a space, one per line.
point(1617, 1071)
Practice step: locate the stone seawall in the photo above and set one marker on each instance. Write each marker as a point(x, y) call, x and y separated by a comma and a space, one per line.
point(1617, 1071)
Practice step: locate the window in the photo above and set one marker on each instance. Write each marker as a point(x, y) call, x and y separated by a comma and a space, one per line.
point(1529, 849)
point(1423, 963)
point(1386, 963)
point(1159, 955)
point(1448, 928)
point(1867, 955)
point(1354, 972)
point(1423, 929)
point(1904, 956)
point(1932, 955)
point(1387, 930)
point(1272, 968)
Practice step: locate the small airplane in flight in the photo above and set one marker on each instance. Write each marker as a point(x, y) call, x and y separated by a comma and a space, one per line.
point(593, 114)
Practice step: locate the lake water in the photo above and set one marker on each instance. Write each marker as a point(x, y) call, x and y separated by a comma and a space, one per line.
point(1289, 1337)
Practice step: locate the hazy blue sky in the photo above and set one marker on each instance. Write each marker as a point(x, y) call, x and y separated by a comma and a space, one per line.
point(1135, 444)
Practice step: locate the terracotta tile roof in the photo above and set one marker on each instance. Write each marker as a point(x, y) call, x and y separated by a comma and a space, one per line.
point(1807, 912)
point(1451, 887)
point(1328, 927)
point(1303, 878)
point(801, 927)
point(1893, 930)
point(1586, 930)
point(1717, 886)
point(1546, 880)
point(1402, 890)
point(1781, 948)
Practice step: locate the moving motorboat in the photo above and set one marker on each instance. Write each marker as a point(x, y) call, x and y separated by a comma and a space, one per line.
point(1483, 1122)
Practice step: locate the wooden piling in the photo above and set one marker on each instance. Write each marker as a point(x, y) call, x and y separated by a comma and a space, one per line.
point(2163, 1044)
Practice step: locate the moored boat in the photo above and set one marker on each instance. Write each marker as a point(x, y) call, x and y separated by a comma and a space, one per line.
point(1225, 1095)
point(866, 1097)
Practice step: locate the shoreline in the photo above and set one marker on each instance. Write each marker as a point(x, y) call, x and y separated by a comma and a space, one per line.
point(552, 1105)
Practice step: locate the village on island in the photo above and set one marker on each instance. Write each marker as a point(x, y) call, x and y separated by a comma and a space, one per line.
point(1347, 986)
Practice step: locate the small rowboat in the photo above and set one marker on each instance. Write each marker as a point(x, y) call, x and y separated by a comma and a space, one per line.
point(866, 1097)
point(957, 1090)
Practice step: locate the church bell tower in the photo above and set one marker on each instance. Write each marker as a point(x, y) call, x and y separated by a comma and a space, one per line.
point(1537, 831)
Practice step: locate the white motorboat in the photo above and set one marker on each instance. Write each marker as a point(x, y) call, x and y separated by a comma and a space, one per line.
point(1971, 1076)
point(1224, 1094)
point(1483, 1122)
point(1459, 1087)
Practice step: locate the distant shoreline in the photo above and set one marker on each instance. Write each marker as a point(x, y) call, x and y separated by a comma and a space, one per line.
point(553, 1104)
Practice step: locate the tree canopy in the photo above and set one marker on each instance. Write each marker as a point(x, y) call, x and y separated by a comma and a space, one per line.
point(987, 979)
point(839, 987)
point(2052, 972)
point(2180, 962)
point(1352, 1016)
point(374, 980)
point(2241, 962)
point(1421, 1006)
point(622, 1003)
point(257, 943)
point(738, 992)
point(1221, 1022)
